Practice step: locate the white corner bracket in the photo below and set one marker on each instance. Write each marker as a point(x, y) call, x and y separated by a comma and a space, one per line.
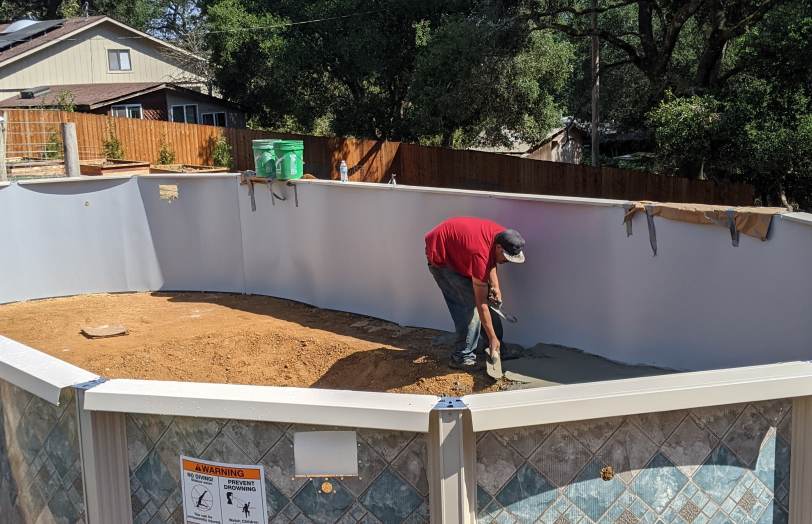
point(104, 457)
point(452, 463)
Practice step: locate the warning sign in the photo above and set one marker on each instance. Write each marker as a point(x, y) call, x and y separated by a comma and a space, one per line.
point(216, 493)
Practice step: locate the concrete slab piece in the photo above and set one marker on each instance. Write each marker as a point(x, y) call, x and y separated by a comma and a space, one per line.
point(115, 330)
point(546, 365)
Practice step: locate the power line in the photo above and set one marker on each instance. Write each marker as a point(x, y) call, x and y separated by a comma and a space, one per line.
point(288, 24)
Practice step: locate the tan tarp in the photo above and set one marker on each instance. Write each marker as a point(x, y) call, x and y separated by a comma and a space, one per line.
point(752, 221)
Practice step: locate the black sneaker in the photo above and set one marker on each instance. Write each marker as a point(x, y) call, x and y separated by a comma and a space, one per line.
point(469, 367)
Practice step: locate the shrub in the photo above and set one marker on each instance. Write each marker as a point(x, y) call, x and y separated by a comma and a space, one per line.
point(166, 154)
point(113, 150)
point(221, 154)
point(53, 144)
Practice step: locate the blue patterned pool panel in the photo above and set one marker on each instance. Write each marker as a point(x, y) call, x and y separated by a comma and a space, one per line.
point(40, 470)
point(391, 488)
point(716, 465)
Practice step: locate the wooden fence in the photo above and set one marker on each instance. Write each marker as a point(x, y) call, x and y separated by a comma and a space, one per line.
point(372, 161)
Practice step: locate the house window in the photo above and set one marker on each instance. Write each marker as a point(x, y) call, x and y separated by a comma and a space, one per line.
point(185, 114)
point(119, 60)
point(213, 119)
point(127, 111)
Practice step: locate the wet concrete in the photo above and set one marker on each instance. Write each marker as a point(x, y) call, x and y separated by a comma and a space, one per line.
point(546, 365)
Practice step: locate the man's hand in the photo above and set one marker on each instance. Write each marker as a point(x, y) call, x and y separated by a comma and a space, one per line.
point(495, 296)
point(494, 346)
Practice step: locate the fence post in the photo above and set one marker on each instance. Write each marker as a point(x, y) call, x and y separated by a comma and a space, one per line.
point(452, 464)
point(71, 147)
point(103, 447)
point(3, 172)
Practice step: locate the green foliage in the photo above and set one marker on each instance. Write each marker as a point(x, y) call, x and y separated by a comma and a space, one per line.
point(409, 71)
point(469, 89)
point(757, 129)
point(684, 129)
point(221, 153)
point(166, 153)
point(111, 146)
point(53, 144)
point(69, 9)
point(65, 101)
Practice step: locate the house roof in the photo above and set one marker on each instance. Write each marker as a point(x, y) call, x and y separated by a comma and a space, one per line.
point(65, 29)
point(520, 148)
point(93, 96)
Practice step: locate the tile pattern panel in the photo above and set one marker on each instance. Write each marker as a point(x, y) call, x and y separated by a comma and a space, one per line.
point(40, 470)
point(392, 486)
point(717, 465)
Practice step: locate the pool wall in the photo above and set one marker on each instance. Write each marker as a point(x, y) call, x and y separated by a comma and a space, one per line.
point(391, 487)
point(699, 304)
point(720, 464)
point(40, 471)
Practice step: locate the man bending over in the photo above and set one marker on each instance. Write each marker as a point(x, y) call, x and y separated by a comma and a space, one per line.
point(463, 253)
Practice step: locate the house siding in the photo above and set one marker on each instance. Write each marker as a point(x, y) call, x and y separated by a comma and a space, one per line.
point(82, 59)
point(153, 106)
point(563, 148)
point(234, 118)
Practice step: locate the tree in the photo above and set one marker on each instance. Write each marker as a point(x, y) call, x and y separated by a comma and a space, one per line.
point(651, 33)
point(472, 85)
point(764, 130)
point(385, 69)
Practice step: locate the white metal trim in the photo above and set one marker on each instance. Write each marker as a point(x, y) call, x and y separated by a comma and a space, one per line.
point(641, 395)
point(82, 178)
point(801, 218)
point(601, 202)
point(389, 411)
point(187, 176)
point(38, 373)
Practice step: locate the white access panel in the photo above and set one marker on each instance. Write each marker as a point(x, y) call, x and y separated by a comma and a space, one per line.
point(325, 453)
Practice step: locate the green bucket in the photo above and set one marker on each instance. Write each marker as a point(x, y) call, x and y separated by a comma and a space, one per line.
point(264, 157)
point(289, 161)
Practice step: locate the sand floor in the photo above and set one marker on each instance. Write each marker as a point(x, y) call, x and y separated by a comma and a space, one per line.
point(241, 339)
point(238, 339)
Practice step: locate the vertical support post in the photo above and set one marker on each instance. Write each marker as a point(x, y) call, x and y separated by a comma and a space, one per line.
point(452, 464)
point(71, 147)
point(800, 480)
point(103, 446)
point(596, 161)
point(3, 170)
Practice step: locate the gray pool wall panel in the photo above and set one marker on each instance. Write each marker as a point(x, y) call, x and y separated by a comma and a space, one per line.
point(391, 488)
point(720, 465)
point(40, 466)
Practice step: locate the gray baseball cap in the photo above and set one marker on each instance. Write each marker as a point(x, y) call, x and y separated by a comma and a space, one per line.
point(512, 244)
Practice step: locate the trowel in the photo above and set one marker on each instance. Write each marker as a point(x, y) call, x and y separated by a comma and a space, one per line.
point(502, 313)
point(493, 364)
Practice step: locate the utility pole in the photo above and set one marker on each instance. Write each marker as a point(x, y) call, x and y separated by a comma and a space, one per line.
point(595, 88)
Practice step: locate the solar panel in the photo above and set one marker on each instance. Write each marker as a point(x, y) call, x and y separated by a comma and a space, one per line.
point(9, 39)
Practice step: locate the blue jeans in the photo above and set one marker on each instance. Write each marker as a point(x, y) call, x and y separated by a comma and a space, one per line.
point(458, 292)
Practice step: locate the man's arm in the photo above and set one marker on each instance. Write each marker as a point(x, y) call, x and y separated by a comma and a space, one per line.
point(481, 296)
point(493, 282)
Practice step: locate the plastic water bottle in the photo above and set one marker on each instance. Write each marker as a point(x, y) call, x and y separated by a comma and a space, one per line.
point(343, 170)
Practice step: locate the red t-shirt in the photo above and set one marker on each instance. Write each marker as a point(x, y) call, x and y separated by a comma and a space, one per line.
point(465, 245)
